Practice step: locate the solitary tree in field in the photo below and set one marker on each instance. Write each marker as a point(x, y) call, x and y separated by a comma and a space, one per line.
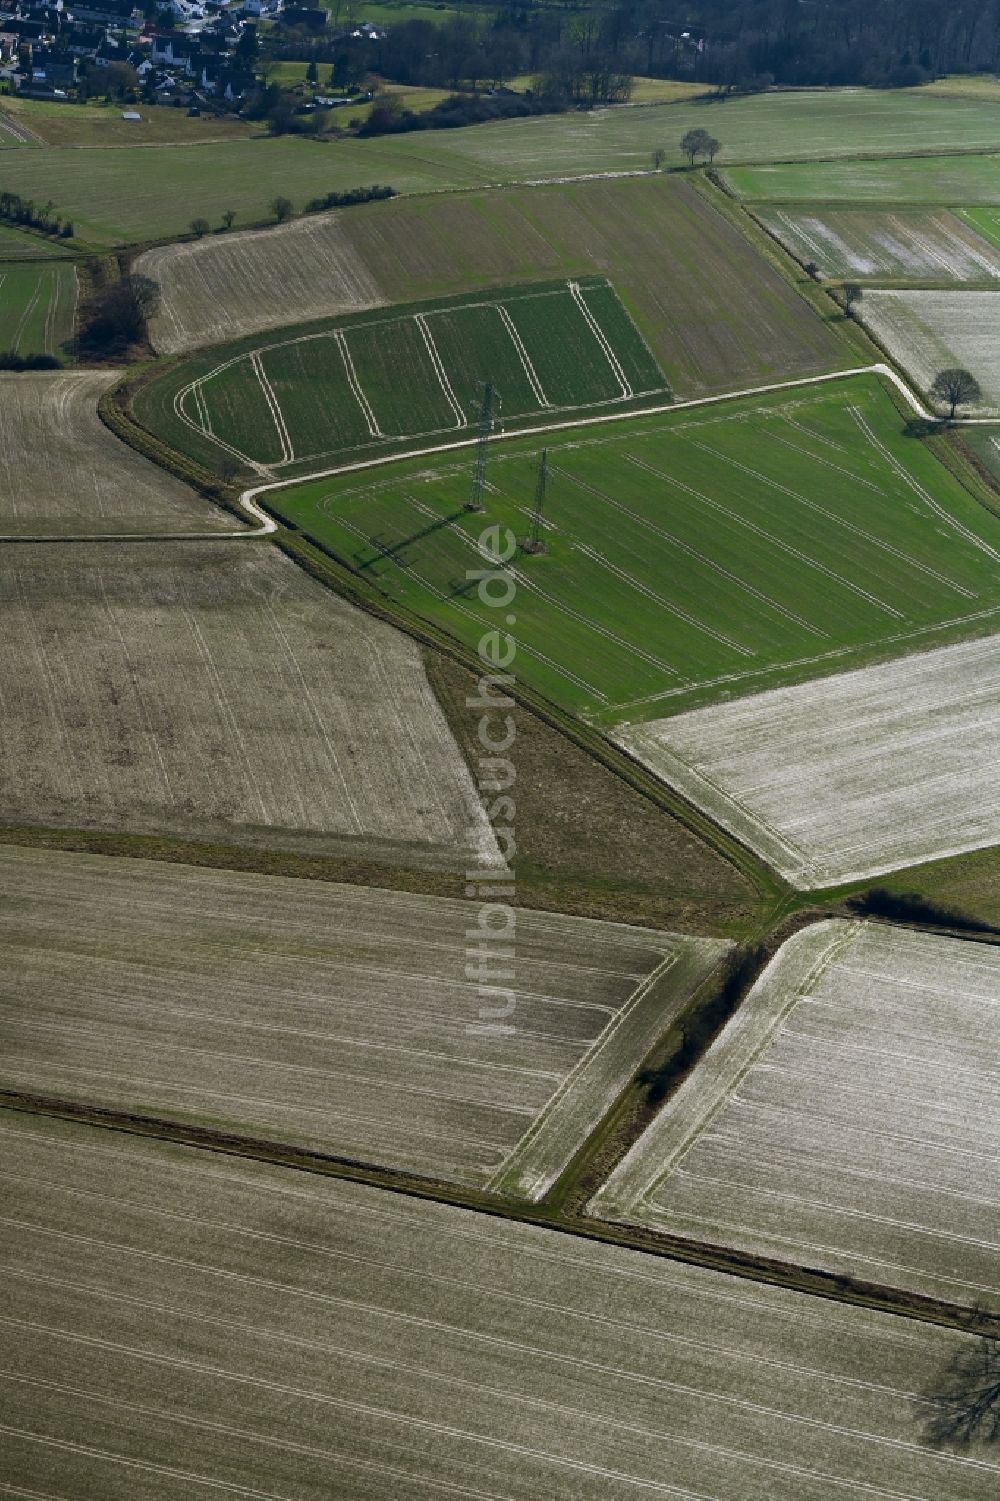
point(229, 218)
point(659, 157)
point(964, 1403)
point(956, 387)
point(852, 296)
point(699, 143)
point(281, 208)
point(200, 227)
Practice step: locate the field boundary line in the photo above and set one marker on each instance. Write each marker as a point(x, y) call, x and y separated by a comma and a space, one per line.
point(834, 1287)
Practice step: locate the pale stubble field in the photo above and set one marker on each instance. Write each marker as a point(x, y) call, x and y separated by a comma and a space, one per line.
point(334, 1017)
point(213, 690)
point(848, 776)
point(179, 1326)
point(62, 472)
point(844, 1119)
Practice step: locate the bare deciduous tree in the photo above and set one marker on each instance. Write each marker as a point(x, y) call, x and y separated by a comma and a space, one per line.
point(956, 387)
point(965, 1400)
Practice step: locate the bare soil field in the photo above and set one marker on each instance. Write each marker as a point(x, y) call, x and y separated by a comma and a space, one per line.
point(180, 1325)
point(213, 689)
point(930, 331)
point(911, 244)
point(844, 1119)
point(302, 270)
point(847, 776)
point(334, 1017)
point(715, 313)
point(62, 472)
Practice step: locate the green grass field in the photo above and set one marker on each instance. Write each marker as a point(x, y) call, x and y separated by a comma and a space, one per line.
point(985, 221)
point(18, 244)
point(919, 179)
point(357, 385)
point(119, 196)
point(690, 555)
point(37, 308)
point(100, 124)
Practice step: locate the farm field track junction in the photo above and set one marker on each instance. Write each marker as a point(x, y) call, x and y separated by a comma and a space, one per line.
point(184, 1323)
point(433, 1230)
point(334, 1017)
point(928, 331)
point(843, 1117)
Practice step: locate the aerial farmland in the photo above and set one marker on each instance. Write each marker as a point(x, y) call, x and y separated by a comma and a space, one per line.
point(928, 244)
point(930, 331)
point(335, 1017)
point(63, 473)
point(198, 1321)
point(843, 1116)
point(499, 719)
point(214, 688)
point(737, 544)
point(839, 779)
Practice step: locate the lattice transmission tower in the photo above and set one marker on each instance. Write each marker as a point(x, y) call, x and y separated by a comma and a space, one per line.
point(533, 543)
point(475, 501)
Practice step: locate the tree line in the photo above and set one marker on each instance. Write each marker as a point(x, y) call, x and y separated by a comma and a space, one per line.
point(585, 57)
point(17, 210)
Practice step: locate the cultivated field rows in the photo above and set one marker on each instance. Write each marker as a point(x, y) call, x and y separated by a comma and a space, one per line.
point(188, 1325)
point(690, 554)
point(63, 472)
point(930, 331)
point(846, 1117)
point(335, 1017)
point(847, 776)
point(722, 317)
point(213, 689)
point(421, 375)
point(215, 289)
point(930, 245)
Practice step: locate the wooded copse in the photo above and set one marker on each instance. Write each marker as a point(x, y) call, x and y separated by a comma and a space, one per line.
point(586, 57)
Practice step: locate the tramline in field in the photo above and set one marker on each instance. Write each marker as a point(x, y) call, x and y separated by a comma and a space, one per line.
point(691, 555)
point(420, 374)
point(37, 307)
